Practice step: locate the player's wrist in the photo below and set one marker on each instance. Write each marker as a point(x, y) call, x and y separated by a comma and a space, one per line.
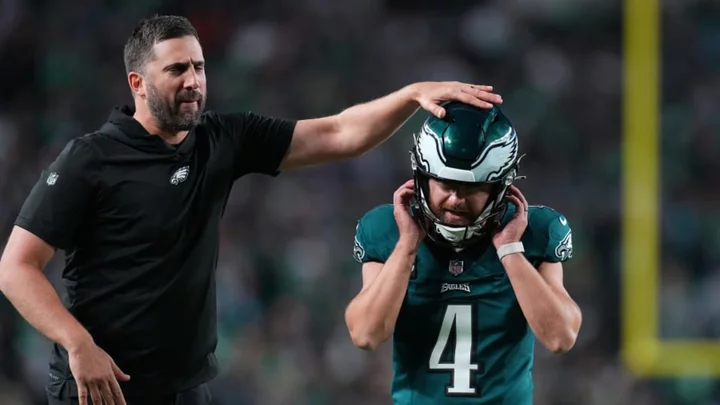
point(502, 242)
point(407, 246)
point(509, 249)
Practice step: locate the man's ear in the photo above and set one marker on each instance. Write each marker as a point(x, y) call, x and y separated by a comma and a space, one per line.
point(137, 83)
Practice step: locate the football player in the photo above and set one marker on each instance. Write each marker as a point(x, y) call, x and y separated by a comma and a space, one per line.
point(461, 271)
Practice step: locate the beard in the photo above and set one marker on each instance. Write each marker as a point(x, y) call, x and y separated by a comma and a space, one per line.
point(170, 115)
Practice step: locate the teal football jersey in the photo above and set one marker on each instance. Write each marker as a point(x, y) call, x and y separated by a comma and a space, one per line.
point(461, 337)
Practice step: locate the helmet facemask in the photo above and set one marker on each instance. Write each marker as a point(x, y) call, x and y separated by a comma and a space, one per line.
point(460, 236)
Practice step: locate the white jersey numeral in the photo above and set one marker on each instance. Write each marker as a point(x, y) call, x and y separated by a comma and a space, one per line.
point(460, 317)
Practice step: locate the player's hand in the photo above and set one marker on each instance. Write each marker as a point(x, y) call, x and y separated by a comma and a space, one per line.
point(96, 375)
point(410, 231)
point(431, 94)
point(513, 230)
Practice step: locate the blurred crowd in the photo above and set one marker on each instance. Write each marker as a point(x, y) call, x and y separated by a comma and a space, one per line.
point(286, 270)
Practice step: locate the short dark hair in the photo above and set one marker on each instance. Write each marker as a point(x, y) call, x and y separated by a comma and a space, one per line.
point(150, 31)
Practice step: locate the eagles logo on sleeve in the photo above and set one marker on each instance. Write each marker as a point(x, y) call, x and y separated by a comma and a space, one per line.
point(358, 251)
point(557, 240)
point(564, 249)
point(563, 232)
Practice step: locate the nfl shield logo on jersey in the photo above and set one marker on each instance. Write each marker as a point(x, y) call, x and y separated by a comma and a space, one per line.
point(456, 267)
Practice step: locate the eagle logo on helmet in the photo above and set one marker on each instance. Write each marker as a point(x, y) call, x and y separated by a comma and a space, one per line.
point(505, 147)
point(421, 139)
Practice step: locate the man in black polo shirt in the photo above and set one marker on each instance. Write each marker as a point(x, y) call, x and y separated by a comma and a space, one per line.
point(136, 206)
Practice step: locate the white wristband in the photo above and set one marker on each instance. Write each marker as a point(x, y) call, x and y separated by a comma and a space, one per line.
point(510, 248)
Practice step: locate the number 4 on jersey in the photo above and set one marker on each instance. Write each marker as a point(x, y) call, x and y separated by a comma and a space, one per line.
point(461, 318)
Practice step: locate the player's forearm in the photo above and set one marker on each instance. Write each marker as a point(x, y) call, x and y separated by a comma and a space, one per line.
point(29, 290)
point(371, 316)
point(553, 317)
point(364, 126)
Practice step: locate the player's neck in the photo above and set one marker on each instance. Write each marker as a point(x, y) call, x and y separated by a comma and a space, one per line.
point(143, 116)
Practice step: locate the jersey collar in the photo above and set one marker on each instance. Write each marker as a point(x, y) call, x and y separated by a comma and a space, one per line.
point(122, 125)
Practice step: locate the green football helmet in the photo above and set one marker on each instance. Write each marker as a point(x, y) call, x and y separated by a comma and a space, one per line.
point(468, 145)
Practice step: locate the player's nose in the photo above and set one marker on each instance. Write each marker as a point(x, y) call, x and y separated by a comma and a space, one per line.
point(454, 198)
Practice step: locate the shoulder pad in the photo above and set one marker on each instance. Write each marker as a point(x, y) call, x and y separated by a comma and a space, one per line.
point(375, 235)
point(550, 233)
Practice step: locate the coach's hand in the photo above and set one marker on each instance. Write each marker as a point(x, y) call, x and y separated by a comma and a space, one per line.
point(410, 231)
point(96, 375)
point(431, 94)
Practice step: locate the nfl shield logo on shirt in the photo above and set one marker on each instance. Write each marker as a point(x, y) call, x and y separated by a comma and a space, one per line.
point(52, 179)
point(456, 267)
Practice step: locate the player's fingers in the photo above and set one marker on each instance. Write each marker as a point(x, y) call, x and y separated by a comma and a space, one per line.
point(481, 94)
point(117, 393)
point(514, 191)
point(513, 200)
point(403, 196)
point(522, 197)
point(519, 195)
point(519, 209)
point(408, 184)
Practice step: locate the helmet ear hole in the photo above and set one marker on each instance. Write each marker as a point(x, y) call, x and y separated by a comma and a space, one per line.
point(413, 161)
point(415, 210)
point(508, 180)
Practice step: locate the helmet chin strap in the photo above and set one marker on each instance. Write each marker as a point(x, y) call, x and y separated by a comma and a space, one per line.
point(455, 234)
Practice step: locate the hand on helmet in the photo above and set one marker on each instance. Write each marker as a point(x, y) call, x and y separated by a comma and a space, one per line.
point(431, 94)
point(411, 233)
point(513, 230)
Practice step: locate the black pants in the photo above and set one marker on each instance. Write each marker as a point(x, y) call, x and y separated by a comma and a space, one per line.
point(195, 396)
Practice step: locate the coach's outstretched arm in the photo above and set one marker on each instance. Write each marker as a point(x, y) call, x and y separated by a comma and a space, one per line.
point(372, 314)
point(364, 126)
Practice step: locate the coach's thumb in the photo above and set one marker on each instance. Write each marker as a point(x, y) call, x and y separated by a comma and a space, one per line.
point(438, 111)
point(432, 107)
point(119, 373)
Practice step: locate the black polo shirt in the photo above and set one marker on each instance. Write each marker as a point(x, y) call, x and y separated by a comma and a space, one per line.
point(139, 222)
